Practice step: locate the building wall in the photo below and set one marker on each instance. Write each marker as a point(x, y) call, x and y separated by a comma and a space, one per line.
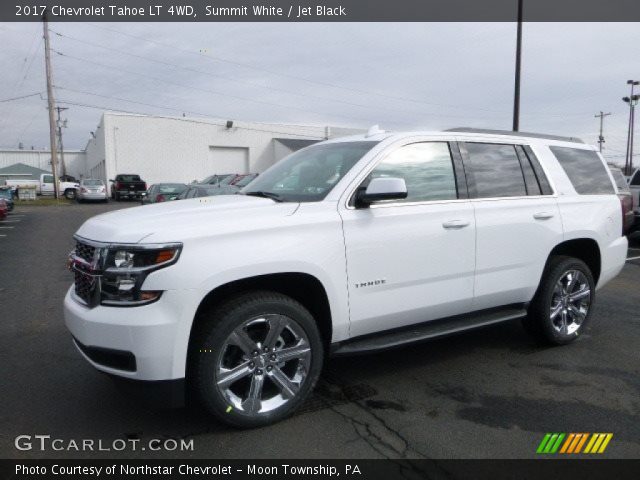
point(73, 159)
point(163, 149)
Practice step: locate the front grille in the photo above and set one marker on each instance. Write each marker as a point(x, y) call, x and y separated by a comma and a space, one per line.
point(85, 251)
point(85, 286)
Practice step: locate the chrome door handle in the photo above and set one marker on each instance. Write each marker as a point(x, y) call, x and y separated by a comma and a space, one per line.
point(455, 224)
point(543, 215)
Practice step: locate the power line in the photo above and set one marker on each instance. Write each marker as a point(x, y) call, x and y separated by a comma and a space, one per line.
point(21, 97)
point(293, 77)
point(215, 75)
point(181, 119)
point(213, 92)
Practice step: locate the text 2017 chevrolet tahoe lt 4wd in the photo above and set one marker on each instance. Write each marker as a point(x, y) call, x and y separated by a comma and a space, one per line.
point(349, 245)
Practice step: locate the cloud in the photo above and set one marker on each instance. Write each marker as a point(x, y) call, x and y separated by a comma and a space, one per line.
point(401, 76)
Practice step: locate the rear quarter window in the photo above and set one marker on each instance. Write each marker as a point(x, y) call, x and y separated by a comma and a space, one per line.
point(586, 171)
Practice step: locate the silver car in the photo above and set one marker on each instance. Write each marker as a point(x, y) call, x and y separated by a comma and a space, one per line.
point(92, 189)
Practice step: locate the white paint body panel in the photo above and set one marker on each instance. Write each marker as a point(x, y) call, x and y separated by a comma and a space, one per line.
point(429, 272)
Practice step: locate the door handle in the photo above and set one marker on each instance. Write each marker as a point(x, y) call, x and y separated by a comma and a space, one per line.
point(543, 215)
point(455, 224)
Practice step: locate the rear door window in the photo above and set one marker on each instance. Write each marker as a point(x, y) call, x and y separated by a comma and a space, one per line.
point(493, 170)
point(586, 171)
point(635, 181)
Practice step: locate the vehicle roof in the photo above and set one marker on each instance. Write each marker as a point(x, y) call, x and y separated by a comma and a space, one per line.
point(493, 135)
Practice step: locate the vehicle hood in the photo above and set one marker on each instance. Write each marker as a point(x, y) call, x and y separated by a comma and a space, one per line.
point(183, 219)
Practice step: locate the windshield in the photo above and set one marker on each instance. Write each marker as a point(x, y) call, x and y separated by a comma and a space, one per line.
point(309, 174)
point(92, 183)
point(5, 193)
point(171, 188)
point(128, 178)
point(246, 180)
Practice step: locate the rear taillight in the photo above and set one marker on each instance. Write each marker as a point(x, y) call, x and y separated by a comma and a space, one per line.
point(626, 204)
point(145, 186)
point(117, 185)
point(160, 198)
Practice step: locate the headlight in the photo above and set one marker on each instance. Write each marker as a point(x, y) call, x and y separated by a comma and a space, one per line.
point(125, 269)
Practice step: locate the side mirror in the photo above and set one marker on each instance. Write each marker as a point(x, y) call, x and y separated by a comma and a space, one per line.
point(111, 180)
point(381, 189)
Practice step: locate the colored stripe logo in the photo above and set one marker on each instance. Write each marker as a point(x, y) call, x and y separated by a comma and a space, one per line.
point(574, 443)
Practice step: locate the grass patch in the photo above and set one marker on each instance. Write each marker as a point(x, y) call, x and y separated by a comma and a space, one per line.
point(42, 202)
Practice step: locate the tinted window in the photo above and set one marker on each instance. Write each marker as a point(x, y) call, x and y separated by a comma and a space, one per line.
point(530, 179)
point(427, 170)
point(92, 183)
point(618, 177)
point(47, 179)
point(585, 170)
point(635, 181)
point(494, 171)
point(171, 187)
point(128, 178)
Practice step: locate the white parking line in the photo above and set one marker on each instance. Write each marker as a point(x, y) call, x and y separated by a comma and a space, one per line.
point(16, 214)
point(6, 227)
point(2, 235)
point(11, 221)
point(633, 258)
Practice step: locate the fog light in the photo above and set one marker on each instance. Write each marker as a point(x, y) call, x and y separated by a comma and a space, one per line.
point(149, 295)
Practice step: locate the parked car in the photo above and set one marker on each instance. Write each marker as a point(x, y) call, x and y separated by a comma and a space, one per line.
point(44, 186)
point(626, 198)
point(347, 246)
point(634, 188)
point(92, 189)
point(218, 179)
point(4, 210)
point(127, 186)
point(236, 185)
point(162, 192)
point(198, 190)
point(7, 194)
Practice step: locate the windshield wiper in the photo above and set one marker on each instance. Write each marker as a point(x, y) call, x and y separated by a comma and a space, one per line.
point(261, 193)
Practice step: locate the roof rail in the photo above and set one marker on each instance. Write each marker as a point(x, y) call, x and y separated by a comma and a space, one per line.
point(515, 134)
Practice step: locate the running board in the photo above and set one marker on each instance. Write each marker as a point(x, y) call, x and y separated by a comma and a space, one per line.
point(424, 331)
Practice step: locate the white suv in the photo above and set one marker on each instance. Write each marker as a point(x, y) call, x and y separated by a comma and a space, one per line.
point(349, 245)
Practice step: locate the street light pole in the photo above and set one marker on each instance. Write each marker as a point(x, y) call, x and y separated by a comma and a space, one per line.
point(516, 90)
point(601, 136)
point(631, 100)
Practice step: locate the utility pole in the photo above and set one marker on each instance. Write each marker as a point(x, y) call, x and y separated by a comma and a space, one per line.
point(516, 91)
point(632, 100)
point(61, 124)
point(601, 137)
point(50, 102)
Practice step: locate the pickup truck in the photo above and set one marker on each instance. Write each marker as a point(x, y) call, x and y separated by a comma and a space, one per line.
point(128, 186)
point(348, 246)
point(44, 186)
point(634, 187)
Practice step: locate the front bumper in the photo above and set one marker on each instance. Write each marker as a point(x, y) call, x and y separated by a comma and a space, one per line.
point(153, 337)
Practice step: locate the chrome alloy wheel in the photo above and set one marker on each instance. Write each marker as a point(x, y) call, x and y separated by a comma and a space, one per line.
point(263, 364)
point(570, 302)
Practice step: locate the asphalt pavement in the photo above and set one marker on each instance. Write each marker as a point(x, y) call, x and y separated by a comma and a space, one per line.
point(483, 394)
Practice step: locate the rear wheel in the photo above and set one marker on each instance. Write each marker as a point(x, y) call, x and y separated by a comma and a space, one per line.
point(562, 305)
point(70, 194)
point(255, 359)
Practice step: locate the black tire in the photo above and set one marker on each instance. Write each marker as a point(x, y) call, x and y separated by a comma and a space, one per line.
point(116, 197)
point(538, 321)
point(209, 346)
point(70, 194)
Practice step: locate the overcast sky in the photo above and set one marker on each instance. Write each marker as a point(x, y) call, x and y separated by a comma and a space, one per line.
point(400, 76)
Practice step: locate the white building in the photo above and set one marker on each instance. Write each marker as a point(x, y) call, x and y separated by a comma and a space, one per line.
point(74, 160)
point(178, 149)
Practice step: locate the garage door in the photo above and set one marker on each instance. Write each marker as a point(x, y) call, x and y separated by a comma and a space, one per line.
point(228, 160)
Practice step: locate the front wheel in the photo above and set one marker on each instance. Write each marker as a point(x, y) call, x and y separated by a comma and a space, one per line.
point(562, 305)
point(70, 194)
point(255, 359)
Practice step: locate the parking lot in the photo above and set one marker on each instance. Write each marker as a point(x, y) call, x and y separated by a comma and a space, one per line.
point(489, 393)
